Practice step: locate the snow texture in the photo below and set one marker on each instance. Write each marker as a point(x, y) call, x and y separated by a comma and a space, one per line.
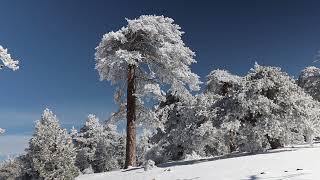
point(292, 163)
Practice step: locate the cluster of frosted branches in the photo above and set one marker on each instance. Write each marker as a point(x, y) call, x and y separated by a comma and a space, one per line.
point(263, 109)
point(7, 61)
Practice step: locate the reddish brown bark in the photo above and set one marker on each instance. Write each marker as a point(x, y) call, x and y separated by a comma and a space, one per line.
point(131, 118)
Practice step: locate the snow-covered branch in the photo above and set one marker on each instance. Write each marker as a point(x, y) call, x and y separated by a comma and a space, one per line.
point(7, 61)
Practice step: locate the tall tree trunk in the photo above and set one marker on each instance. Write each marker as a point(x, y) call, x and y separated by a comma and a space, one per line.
point(131, 118)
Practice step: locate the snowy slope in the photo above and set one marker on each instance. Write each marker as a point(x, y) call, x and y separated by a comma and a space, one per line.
point(300, 162)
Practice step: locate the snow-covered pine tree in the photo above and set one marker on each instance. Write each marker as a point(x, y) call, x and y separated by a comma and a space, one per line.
point(103, 160)
point(117, 144)
point(110, 152)
point(51, 151)
point(82, 162)
point(99, 147)
point(139, 58)
point(15, 168)
point(86, 142)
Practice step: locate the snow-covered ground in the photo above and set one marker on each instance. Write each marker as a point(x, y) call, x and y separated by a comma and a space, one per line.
point(299, 162)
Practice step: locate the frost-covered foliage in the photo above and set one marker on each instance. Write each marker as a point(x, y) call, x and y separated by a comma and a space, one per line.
point(153, 45)
point(86, 142)
point(187, 129)
point(190, 127)
point(16, 168)
point(110, 151)
point(51, 151)
point(309, 80)
point(269, 110)
point(7, 61)
point(99, 147)
point(221, 82)
point(264, 109)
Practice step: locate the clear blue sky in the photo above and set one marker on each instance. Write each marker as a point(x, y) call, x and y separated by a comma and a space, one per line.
point(55, 41)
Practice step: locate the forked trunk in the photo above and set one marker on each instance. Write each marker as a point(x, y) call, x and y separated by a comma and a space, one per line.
point(131, 118)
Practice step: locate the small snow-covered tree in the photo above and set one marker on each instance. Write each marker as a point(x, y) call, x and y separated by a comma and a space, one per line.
point(102, 159)
point(15, 168)
point(140, 58)
point(99, 147)
point(87, 139)
point(82, 162)
point(110, 151)
point(86, 142)
point(51, 150)
point(10, 169)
